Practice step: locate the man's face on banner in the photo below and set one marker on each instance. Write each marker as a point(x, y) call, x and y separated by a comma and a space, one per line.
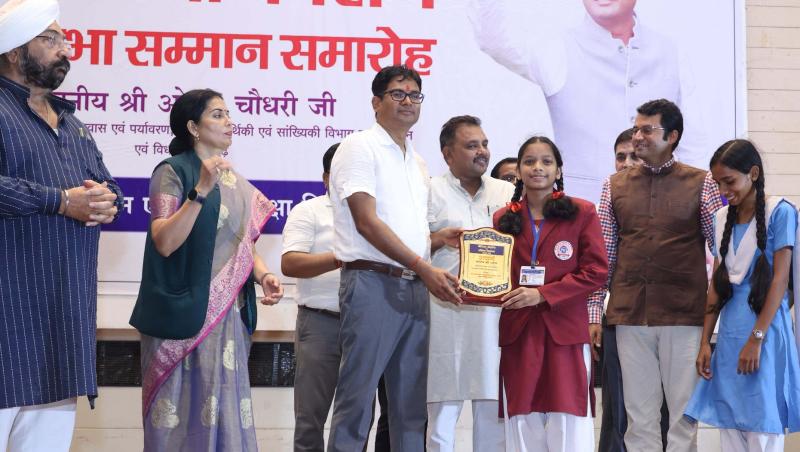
point(606, 10)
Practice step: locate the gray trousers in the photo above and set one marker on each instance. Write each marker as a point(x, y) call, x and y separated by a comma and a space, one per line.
point(317, 353)
point(384, 331)
point(649, 355)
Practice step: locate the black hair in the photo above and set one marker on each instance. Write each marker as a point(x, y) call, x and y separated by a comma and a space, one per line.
point(189, 107)
point(624, 137)
point(671, 116)
point(563, 207)
point(387, 74)
point(328, 157)
point(451, 126)
point(742, 156)
point(496, 170)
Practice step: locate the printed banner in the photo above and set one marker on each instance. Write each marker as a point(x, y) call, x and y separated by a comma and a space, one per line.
point(296, 76)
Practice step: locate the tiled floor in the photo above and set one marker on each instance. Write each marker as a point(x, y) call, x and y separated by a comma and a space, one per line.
point(115, 425)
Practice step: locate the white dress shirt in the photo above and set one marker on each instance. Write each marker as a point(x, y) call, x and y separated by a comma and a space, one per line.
point(593, 84)
point(369, 161)
point(309, 229)
point(464, 356)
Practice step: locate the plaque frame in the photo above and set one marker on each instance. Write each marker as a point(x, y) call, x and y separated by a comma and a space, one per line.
point(487, 291)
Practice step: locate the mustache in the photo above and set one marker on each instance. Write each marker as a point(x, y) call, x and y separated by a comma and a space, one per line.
point(62, 63)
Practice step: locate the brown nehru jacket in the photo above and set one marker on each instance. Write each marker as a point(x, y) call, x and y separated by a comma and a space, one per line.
point(660, 278)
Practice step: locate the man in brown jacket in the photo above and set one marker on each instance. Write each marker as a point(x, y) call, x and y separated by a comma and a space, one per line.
point(655, 219)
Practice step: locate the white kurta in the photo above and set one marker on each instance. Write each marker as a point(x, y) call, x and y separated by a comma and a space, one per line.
point(576, 66)
point(464, 353)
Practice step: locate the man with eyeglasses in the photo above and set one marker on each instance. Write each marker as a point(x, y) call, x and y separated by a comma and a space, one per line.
point(379, 189)
point(611, 51)
point(615, 420)
point(506, 170)
point(54, 192)
point(656, 220)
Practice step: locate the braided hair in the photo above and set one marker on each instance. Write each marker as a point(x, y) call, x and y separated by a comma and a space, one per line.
point(742, 156)
point(556, 207)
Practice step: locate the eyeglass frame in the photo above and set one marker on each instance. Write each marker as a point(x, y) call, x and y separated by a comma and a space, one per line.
point(53, 38)
point(405, 94)
point(646, 130)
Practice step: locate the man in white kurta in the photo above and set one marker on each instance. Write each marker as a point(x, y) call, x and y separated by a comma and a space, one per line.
point(464, 354)
point(593, 77)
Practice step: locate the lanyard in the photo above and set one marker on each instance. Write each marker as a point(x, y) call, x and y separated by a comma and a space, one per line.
point(536, 231)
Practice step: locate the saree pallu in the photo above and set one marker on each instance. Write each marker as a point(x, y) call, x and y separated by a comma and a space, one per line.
point(196, 391)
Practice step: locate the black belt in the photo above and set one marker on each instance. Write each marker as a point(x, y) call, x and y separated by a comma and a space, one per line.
point(320, 311)
point(380, 267)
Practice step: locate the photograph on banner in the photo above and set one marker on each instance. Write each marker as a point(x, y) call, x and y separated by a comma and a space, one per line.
point(296, 75)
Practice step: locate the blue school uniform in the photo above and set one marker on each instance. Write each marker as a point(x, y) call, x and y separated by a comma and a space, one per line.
point(768, 400)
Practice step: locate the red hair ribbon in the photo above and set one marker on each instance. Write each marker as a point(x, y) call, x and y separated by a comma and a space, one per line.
point(557, 194)
point(514, 206)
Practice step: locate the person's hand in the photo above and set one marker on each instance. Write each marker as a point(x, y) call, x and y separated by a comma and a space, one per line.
point(703, 363)
point(101, 201)
point(439, 282)
point(448, 236)
point(210, 171)
point(90, 203)
point(749, 357)
point(521, 297)
point(273, 290)
point(596, 339)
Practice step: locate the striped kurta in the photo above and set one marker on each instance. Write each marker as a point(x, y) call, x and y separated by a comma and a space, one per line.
point(48, 263)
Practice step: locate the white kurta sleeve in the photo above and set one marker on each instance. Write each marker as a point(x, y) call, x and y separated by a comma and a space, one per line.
point(533, 54)
point(694, 147)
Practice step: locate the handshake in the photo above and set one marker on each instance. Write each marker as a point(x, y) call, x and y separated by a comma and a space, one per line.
point(91, 203)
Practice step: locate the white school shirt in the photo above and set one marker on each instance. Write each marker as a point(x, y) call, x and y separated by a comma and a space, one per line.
point(464, 356)
point(593, 84)
point(309, 229)
point(369, 161)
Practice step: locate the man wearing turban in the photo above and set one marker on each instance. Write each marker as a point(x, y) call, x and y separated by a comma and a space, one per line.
point(54, 192)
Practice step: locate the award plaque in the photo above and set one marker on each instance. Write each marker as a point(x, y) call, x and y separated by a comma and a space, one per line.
point(485, 271)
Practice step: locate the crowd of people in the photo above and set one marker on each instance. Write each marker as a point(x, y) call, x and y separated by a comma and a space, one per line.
point(380, 308)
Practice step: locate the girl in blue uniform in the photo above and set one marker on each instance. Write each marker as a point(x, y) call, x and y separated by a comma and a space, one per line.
point(750, 388)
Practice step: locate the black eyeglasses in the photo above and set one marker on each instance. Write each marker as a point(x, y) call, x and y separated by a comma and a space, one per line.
point(646, 129)
point(398, 95)
point(56, 41)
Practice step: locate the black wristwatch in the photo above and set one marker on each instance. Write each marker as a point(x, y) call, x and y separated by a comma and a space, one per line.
point(196, 197)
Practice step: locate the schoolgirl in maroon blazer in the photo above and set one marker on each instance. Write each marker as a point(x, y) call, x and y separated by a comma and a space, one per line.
point(558, 260)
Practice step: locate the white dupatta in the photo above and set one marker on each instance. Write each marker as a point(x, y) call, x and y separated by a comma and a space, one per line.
point(738, 259)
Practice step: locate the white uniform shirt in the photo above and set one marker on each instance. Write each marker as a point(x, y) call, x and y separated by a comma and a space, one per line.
point(574, 68)
point(369, 161)
point(463, 354)
point(309, 229)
